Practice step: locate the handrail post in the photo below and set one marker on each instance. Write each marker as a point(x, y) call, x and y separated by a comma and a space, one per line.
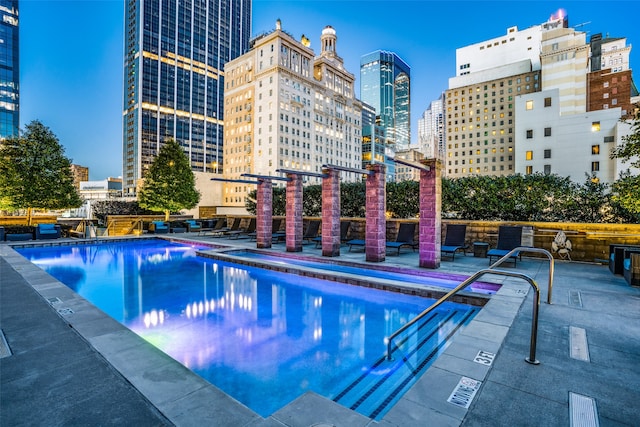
point(534, 329)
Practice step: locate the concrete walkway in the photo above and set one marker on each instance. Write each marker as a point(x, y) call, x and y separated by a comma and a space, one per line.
point(97, 373)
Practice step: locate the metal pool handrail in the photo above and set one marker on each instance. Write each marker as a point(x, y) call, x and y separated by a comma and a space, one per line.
point(534, 321)
point(537, 250)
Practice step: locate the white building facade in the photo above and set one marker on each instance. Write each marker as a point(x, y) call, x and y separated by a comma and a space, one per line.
point(573, 145)
point(288, 109)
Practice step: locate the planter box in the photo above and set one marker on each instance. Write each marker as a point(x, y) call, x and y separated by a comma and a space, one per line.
point(18, 237)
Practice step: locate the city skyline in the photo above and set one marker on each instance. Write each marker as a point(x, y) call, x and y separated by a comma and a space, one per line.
point(73, 84)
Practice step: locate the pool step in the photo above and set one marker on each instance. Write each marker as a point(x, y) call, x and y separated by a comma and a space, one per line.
point(379, 387)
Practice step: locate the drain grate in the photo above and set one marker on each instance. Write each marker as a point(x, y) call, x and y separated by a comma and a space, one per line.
point(582, 411)
point(464, 392)
point(578, 343)
point(575, 299)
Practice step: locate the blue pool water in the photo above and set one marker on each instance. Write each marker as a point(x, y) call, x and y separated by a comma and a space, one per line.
point(263, 337)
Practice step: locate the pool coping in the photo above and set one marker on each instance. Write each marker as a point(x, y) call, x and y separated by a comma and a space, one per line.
point(187, 399)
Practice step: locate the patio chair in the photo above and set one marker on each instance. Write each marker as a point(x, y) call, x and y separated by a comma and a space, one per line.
point(312, 230)
point(454, 240)
point(216, 230)
point(235, 226)
point(275, 226)
point(509, 238)
point(251, 228)
point(631, 267)
point(192, 225)
point(158, 227)
point(345, 226)
point(406, 232)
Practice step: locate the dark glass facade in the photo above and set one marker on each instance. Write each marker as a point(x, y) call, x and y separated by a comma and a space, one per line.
point(175, 51)
point(385, 85)
point(9, 69)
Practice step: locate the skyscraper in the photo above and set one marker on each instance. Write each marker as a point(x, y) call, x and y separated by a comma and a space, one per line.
point(431, 130)
point(175, 51)
point(9, 69)
point(385, 84)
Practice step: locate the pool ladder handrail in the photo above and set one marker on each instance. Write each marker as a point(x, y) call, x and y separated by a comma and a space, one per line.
point(491, 270)
point(535, 250)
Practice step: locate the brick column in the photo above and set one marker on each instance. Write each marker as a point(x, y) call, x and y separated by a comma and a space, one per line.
point(331, 213)
point(294, 213)
point(376, 222)
point(264, 209)
point(430, 214)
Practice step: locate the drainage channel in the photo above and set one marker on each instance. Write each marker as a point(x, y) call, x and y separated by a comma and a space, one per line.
point(582, 411)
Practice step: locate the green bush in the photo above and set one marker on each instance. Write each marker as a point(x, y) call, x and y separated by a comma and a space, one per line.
point(536, 197)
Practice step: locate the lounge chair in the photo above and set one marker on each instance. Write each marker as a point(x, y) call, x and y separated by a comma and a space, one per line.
point(192, 225)
point(344, 231)
point(276, 234)
point(509, 238)
point(454, 240)
point(216, 230)
point(235, 226)
point(251, 228)
point(312, 230)
point(406, 232)
point(275, 226)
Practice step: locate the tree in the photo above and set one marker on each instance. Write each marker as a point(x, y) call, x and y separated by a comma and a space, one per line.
point(169, 186)
point(34, 172)
point(626, 193)
point(630, 147)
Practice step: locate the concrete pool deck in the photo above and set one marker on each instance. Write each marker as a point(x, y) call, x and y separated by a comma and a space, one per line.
point(71, 364)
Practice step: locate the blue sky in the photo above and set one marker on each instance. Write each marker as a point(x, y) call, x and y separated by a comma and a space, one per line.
point(71, 52)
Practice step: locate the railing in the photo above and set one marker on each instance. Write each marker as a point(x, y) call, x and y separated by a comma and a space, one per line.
point(491, 270)
point(534, 322)
point(117, 227)
point(536, 250)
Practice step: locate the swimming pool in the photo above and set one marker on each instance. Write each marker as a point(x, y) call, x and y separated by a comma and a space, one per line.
point(262, 337)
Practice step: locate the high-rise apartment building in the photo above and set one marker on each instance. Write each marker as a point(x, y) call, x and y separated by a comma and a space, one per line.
point(286, 108)
point(175, 51)
point(385, 84)
point(570, 127)
point(610, 83)
point(431, 139)
point(80, 173)
point(9, 69)
point(564, 55)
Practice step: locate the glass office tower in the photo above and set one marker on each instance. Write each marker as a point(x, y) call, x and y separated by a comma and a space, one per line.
point(385, 84)
point(9, 69)
point(175, 51)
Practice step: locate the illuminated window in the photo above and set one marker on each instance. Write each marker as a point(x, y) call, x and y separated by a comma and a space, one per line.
point(595, 149)
point(529, 155)
point(529, 170)
point(595, 126)
point(595, 166)
point(529, 105)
